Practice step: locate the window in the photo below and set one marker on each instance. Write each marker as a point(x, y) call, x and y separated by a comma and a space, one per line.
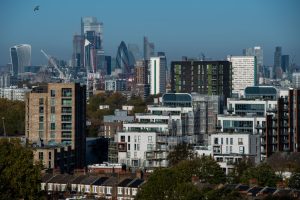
point(41, 110)
point(52, 118)
point(240, 141)
point(52, 93)
point(41, 126)
point(66, 109)
point(221, 140)
point(139, 138)
point(230, 149)
point(128, 140)
point(138, 147)
point(241, 149)
point(66, 92)
point(149, 147)
point(66, 102)
point(52, 134)
point(135, 147)
point(52, 126)
point(149, 138)
point(41, 155)
point(135, 154)
point(66, 126)
point(128, 148)
point(66, 118)
point(226, 149)
point(216, 141)
point(226, 140)
point(41, 118)
point(231, 141)
point(49, 155)
point(66, 134)
point(52, 110)
point(41, 101)
point(52, 102)
point(122, 138)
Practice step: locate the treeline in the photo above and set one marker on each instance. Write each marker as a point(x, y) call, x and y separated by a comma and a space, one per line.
point(115, 101)
point(12, 113)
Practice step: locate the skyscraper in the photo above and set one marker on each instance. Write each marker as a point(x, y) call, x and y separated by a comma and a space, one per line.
point(277, 62)
point(78, 45)
point(148, 49)
point(20, 57)
point(285, 63)
point(122, 59)
point(243, 72)
point(158, 67)
point(256, 51)
point(92, 31)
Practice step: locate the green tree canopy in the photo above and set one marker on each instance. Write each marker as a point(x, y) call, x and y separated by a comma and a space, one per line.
point(13, 113)
point(294, 181)
point(163, 184)
point(182, 151)
point(263, 173)
point(19, 177)
point(205, 168)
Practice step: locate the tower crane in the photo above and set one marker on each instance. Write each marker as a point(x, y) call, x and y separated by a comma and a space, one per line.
point(61, 74)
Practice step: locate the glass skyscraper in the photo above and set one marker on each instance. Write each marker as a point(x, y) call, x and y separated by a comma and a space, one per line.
point(20, 57)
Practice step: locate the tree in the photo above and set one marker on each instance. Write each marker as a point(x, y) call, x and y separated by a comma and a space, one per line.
point(239, 168)
point(19, 177)
point(263, 173)
point(294, 181)
point(163, 184)
point(13, 113)
point(181, 152)
point(206, 168)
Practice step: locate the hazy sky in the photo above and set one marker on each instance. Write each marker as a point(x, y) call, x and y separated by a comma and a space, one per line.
point(187, 27)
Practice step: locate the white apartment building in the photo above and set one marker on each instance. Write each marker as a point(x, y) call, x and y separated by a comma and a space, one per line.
point(243, 73)
point(247, 106)
point(158, 73)
point(14, 93)
point(133, 146)
point(228, 148)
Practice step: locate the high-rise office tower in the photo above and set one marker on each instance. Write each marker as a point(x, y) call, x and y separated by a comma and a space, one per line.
point(55, 118)
point(92, 31)
point(277, 62)
point(256, 51)
point(243, 72)
point(158, 67)
point(20, 57)
point(78, 45)
point(204, 77)
point(285, 63)
point(122, 59)
point(296, 80)
point(148, 49)
point(141, 84)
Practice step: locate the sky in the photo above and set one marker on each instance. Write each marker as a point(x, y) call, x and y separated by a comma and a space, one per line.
point(178, 27)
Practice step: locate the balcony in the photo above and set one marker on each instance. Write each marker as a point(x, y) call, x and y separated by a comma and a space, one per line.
point(273, 110)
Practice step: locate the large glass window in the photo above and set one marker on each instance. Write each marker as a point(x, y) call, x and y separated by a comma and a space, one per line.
point(66, 126)
point(52, 110)
point(52, 93)
point(41, 101)
point(66, 134)
point(66, 102)
point(66, 109)
point(52, 126)
point(41, 109)
point(66, 92)
point(122, 138)
point(66, 118)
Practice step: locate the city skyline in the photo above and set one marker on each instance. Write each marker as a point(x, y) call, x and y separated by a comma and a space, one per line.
point(183, 28)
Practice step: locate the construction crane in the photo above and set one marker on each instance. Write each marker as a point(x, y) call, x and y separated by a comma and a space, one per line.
point(61, 74)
